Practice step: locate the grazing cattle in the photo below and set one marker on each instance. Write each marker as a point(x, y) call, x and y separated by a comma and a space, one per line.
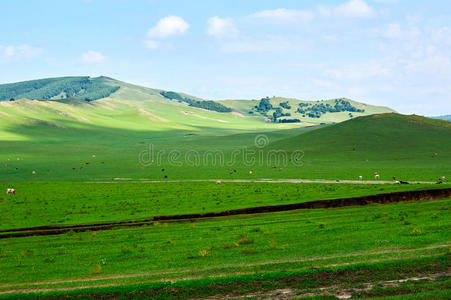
point(376, 176)
point(273, 167)
point(251, 172)
point(162, 170)
point(403, 182)
point(394, 177)
point(443, 178)
point(165, 176)
point(10, 191)
point(360, 177)
point(34, 172)
point(218, 181)
point(102, 162)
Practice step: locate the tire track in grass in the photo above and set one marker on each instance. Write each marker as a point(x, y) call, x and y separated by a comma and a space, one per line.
point(175, 279)
point(181, 271)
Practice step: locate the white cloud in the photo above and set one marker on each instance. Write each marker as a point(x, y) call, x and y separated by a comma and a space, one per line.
point(265, 44)
point(168, 26)
point(283, 15)
point(349, 9)
point(93, 57)
point(355, 9)
point(221, 27)
point(395, 31)
point(151, 44)
point(387, 1)
point(19, 51)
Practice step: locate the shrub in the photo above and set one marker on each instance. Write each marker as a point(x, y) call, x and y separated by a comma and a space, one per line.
point(244, 240)
point(415, 231)
point(204, 252)
point(95, 269)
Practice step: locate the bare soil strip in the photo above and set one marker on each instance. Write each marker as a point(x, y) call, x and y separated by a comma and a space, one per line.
point(386, 198)
point(338, 291)
point(267, 180)
point(82, 286)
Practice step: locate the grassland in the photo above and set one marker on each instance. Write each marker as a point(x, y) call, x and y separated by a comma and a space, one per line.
point(408, 147)
point(58, 203)
point(255, 244)
point(119, 158)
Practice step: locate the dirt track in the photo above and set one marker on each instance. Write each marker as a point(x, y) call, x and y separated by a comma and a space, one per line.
point(14, 288)
point(268, 180)
point(430, 194)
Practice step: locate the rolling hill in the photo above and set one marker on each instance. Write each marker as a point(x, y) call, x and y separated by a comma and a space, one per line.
point(65, 137)
point(388, 143)
point(104, 91)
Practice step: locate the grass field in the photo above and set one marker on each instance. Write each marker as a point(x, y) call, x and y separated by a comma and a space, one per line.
point(51, 203)
point(410, 148)
point(276, 242)
point(137, 154)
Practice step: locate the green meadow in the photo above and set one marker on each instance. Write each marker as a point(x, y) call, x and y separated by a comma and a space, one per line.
point(59, 203)
point(129, 153)
point(250, 244)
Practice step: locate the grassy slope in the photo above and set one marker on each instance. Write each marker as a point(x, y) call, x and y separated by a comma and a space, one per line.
point(285, 241)
point(391, 144)
point(244, 106)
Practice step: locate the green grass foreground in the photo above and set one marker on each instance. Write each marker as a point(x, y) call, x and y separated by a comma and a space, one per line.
point(332, 280)
point(58, 203)
point(275, 241)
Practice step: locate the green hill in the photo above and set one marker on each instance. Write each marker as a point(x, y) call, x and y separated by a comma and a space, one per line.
point(85, 88)
point(280, 110)
point(57, 137)
point(310, 112)
point(387, 143)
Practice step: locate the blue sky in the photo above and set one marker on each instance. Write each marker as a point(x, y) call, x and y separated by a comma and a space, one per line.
point(385, 52)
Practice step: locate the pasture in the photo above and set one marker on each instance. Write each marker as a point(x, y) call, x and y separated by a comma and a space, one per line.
point(114, 160)
point(285, 242)
point(58, 203)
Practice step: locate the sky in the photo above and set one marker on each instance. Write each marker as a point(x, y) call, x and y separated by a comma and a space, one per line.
point(395, 53)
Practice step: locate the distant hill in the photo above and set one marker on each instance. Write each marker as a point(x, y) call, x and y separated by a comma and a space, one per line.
point(85, 88)
point(270, 110)
point(279, 109)
point(446, 117)
point(383, 136)
point(391, 144)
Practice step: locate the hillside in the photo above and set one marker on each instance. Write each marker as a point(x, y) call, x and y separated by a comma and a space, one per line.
point(389, 142)
point(313, 112)
point(276, 110)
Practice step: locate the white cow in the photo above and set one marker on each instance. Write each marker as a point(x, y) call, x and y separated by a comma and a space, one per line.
point(10, 191)
point(218, 181)
point(360, 177)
